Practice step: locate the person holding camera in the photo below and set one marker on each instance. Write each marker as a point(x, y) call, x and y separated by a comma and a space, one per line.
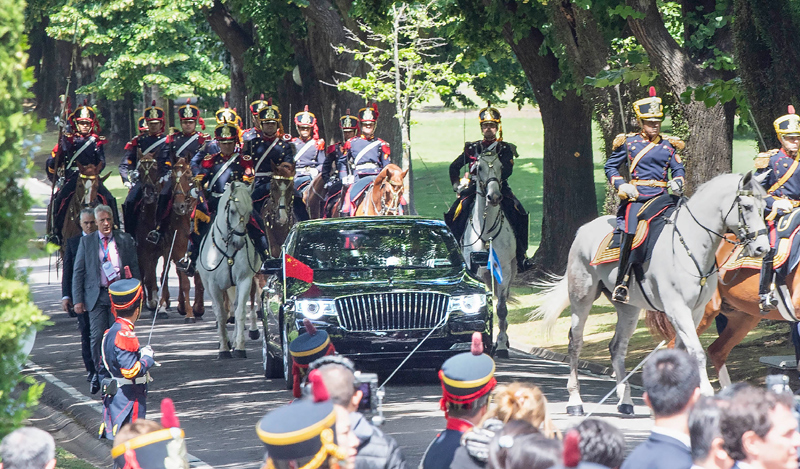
point(125, 363)
point(376, 450)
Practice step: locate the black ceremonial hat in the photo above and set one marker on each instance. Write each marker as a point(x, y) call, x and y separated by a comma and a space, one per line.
point(467, 376)
point(142, 123)
point(310, 345)
point(124, 293)
point(161, 449)
point(188, 111)
point(83, 113)
point(154, 113)
point(302, 431)
point(348, 121)
point(368, 114)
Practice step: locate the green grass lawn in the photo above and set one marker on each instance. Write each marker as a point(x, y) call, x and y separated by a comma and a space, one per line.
point(67, 460)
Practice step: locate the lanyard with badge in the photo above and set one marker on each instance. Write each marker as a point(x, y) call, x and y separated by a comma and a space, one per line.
point(108, 266)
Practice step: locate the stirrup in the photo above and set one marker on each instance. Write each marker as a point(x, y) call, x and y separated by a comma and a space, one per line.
point(768, 302)
point(154, 236)
point(185, 265)
point(620, 294)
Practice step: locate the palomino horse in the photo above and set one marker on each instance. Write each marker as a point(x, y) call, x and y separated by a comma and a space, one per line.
point(679, 279)
point(145, 212)
point(180, 225)
point(736, 297)
point(86, 195)
point(385, 193)
point(488, 225)
point(228, 259)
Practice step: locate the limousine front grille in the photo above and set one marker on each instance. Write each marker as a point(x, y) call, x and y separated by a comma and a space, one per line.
point(391, 311)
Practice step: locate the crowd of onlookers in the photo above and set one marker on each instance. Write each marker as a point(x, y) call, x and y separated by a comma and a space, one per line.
point(742, 427)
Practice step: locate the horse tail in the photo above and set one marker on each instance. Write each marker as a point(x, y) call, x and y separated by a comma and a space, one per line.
point(659, 326)
point(555, 299)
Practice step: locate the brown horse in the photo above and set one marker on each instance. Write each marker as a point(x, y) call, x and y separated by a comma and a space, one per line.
point(179, 226)
point(145, 212)
point(277, 211)
point(86, 195)
point(385, 193)
point(737, 298)
point(314, 197)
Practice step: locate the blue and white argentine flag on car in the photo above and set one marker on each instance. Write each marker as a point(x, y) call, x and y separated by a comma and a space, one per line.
point(494, 265)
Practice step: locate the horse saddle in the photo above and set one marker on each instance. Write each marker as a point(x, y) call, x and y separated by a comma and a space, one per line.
point(651, 220)
point(356, 192)
point(787, 247)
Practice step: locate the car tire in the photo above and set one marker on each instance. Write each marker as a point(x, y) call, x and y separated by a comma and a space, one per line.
point(272, 367)
point(287, 361)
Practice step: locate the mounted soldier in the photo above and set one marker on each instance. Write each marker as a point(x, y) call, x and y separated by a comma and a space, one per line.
point(783, 189)
point(649, 156)
point(83, 147)
point(333, 185)
point(266, 143)
point(492, 144)
point(219, 162)
point(364, 156)
point(309, 149)
point(183, 143)
point(256, 107)
point(144, 145)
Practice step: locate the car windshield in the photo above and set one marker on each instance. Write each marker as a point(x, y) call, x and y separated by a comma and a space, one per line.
point(394, 247)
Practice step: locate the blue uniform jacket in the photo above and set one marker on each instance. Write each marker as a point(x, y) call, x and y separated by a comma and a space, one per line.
point(131, 157)
point(371, 161)
point(66, 148)
point(256, 144)
point(122, 359)
point(780, 163)
point(654, 165)
point(472, 150)
point(439, 454)
point(175, 141)
point(310, 153)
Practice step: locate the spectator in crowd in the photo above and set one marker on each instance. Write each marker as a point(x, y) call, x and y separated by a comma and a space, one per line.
point(759, 430)
point(515, 401)
point(519, 445)
point(672, 385)
point(100, 261)
point(70, 249)
point(28, 448)
point(706, 436)
point(599, 445)
point(376, 450)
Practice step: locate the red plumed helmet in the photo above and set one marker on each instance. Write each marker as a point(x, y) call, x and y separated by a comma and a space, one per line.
point(310, 328)
point(477, 344)
point(169, 419)
point(652, 91)
point(791, 109)
point(572, 451)
point(320, 392)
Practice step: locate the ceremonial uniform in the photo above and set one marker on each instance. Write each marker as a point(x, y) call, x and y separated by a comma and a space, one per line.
point(782, 184)
point(72, 150)
point(305, 349)
point(141, 145)
point(363, 157)
point(125, 364)
point(466, 378)
point(650, 163)
point(214, 171)
point(177, 145)
point(459, 213)
point(302, 434)
point(309, 155)
point(159, 449)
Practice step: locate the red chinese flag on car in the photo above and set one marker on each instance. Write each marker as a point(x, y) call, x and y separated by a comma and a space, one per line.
point(298, 270)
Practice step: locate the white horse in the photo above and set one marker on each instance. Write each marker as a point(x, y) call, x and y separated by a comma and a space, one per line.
point(488, 225)
point(229, 259)
point(679, 279)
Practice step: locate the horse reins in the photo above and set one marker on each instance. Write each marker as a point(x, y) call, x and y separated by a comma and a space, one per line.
point(227, 239)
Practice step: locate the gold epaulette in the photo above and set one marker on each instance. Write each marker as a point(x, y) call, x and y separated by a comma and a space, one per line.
point(620, 139)
point(676, 142)
point(174, 130)
point(761, 161)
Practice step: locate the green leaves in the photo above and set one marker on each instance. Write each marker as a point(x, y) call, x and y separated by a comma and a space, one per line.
point(716, 92)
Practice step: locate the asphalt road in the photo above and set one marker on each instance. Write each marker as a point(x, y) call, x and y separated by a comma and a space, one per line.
point(219, 402)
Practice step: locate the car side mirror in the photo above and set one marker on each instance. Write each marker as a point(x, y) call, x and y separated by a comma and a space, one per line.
point(273, 266)
point(479, 258)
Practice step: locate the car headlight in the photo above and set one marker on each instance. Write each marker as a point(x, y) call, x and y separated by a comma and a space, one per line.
point(469, 304)
point(315, 309)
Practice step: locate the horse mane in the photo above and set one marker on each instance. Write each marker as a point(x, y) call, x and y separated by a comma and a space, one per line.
point(387, 172)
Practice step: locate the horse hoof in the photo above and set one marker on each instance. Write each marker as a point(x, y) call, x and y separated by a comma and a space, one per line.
point(231, 320)
point(575, 410)
point(626, 409)
point(224, 356)
point(162, 315)
point(189, 320)
point(198, 313)
point(239, 354)
point(254, 335)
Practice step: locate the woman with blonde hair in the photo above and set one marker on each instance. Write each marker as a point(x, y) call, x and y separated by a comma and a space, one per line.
point(516, 401)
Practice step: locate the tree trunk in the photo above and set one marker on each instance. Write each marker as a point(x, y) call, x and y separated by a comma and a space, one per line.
point(118, 127)
point(237, 41)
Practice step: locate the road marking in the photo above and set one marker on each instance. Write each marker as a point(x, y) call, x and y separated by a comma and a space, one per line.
point(81, 399)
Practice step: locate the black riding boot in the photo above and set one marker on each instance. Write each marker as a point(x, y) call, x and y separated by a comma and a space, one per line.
point(130, 217)
point(521, 237)
point(189, 261)
point(623, 273)
point(300, 210)
point(767, 299)
point(155, 235)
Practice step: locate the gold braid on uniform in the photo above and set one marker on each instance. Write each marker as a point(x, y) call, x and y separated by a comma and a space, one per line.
point(200, 216)
point(328, 449)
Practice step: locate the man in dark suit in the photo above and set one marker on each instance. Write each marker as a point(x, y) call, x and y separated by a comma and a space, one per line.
point(101, 260)
point(759, 429)
point(70, 249)
point(672, 385)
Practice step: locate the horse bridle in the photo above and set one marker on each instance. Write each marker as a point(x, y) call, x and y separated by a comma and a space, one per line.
point(282, 206)
point(481, 191)
point(177, 189)
point(394, 204)
point(231, 233)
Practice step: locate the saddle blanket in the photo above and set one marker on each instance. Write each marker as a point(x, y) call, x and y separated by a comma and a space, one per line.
point(652, 217)
point(355, 192)
point(787, 247)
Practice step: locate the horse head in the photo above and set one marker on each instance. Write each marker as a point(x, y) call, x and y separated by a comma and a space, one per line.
point(235, 207)
point(182, 200)
point(86, 190)
point(489, 176)
point(390, 188)
point(282, 190)
point(148, 175)
point(748, 218)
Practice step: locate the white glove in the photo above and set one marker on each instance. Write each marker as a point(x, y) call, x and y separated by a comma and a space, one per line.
point(348, 180)
point(194, 193)
point(165, 178)
point(127, 184)
point(628, 191)
point(147, 351)
point(314, 173)
point(782, 206)
point(456, 186)
point(676, 186)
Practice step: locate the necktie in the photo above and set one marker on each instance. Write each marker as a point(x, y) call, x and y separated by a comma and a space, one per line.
point(105, 243)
